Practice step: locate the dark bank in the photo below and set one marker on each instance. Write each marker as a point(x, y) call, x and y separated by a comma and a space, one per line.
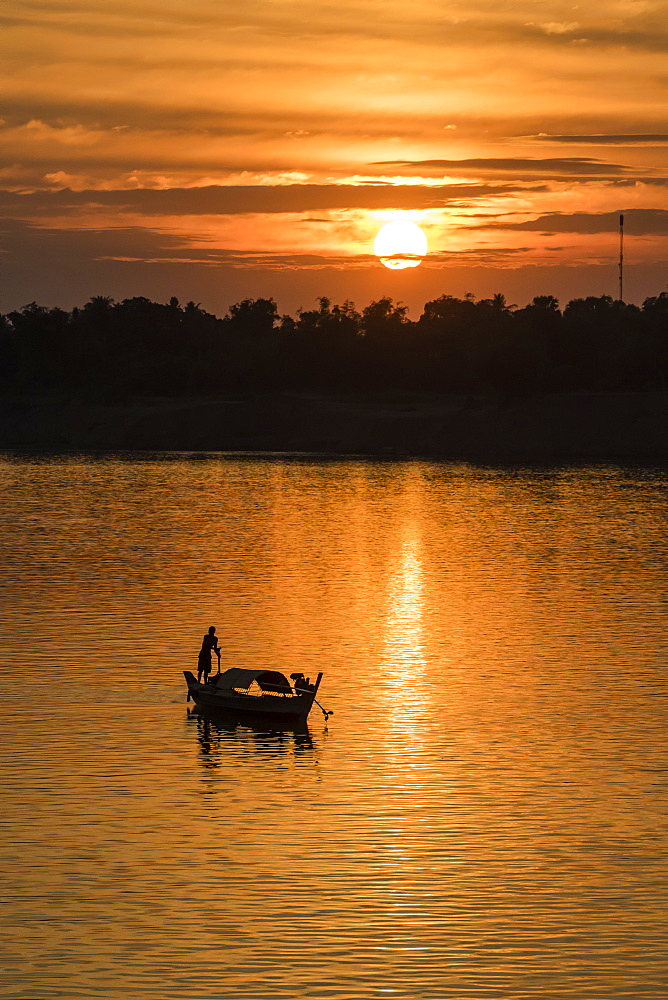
point(574, 426)
point(468, 379)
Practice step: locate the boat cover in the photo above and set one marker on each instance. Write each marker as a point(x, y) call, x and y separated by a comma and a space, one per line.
point(266, 680)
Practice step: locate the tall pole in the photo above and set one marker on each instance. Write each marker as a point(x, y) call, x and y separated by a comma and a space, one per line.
point(621, 258)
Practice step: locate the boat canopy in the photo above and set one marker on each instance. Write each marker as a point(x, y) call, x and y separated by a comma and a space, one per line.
point(266, 680)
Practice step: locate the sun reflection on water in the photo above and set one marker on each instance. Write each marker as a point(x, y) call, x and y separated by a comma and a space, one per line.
point(403, 661)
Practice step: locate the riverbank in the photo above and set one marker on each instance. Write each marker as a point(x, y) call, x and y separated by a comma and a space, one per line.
point(557, 426)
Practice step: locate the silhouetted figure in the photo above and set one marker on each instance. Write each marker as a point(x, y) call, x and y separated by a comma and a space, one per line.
point(209, 643)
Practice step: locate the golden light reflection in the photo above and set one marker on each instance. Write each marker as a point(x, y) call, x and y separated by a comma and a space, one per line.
point(403, 659)
point(407, 695)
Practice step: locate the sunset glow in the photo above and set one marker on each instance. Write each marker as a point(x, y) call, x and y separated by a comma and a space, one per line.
point(214, 152)
point(400, 244)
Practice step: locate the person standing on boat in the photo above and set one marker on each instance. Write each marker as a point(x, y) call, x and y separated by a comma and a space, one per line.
point(209, 644)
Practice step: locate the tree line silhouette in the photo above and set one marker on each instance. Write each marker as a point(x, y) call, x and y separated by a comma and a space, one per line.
point(456, 345)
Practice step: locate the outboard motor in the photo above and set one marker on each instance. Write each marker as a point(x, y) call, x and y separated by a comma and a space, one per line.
point(300, 682)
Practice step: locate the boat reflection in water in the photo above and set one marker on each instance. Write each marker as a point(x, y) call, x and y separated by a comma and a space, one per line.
point(217, 731)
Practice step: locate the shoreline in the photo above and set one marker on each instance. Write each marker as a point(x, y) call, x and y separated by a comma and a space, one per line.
point(583, 426)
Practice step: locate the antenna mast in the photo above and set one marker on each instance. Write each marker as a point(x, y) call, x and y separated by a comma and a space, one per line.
point(621, 258)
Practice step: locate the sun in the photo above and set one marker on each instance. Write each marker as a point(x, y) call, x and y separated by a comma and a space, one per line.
point(400, 244)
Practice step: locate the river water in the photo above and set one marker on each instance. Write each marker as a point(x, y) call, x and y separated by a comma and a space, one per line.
point(484, 814)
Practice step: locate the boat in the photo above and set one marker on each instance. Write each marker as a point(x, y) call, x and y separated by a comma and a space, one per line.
point(256, 692)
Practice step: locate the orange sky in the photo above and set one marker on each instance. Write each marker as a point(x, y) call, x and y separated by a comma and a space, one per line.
point(216, 150)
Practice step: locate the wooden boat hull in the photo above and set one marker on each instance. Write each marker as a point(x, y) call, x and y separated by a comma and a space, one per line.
point(293, 708)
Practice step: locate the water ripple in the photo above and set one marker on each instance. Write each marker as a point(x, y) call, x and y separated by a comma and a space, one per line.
point(483, 817)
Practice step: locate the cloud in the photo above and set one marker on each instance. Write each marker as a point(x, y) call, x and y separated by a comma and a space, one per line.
point(487, 255)
point(637, 222)
point(69, 135)
point(252, 199)
point(557, 27)
point(602, 139)
point(478, 22)
point(638, 183)
point(130, 245)
point(566, 165)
